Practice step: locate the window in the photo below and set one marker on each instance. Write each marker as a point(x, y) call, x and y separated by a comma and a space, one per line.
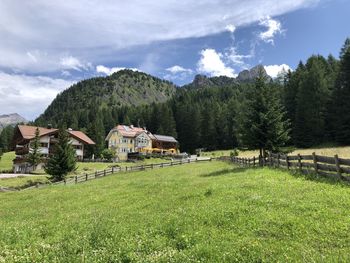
point(44, 145)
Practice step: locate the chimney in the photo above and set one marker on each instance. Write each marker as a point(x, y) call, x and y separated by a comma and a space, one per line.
point(49, 126)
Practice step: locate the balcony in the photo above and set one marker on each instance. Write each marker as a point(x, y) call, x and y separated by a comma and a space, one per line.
point(21, 150)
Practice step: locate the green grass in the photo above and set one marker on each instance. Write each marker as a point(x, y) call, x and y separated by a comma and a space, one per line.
point(6, 161)
point(90, 167)
point(342, 151)
point(207, 212)
point(22, 182)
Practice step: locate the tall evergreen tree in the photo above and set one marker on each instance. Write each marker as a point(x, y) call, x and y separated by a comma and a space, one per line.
point(311, 104)
point(34, 156)
point(6, 136)
point(342, 97)
point(262, 123)
point(63, 159)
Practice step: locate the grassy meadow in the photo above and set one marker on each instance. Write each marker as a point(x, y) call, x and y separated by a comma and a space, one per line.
point(6, 161)
point(203, 212)
point(342, 151)
point(82, 168)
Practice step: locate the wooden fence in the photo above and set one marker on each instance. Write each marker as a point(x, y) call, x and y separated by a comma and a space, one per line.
point(117, 169)
point(323, 165)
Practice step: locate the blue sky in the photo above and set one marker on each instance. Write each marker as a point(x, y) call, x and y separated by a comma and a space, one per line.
point(47, 46)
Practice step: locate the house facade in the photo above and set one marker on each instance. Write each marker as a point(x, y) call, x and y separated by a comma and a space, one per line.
point(24, 136)
point(125, 139)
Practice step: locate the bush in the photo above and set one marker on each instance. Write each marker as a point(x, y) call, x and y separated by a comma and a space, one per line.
point(234, 153)
point(108, 154)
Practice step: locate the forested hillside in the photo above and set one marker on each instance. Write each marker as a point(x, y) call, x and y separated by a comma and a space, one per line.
point(316, 98)
point(76, 106)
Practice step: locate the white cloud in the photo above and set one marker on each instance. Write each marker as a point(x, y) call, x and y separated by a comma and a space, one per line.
point(87, 28)
point(237, 59)
point(274, 70)
point(28, 95)
point(109, 71)
point(178, 73)
point(71, 62)
point(230, 28)
point(273, 26)
point(178, 69)
point(211, 63)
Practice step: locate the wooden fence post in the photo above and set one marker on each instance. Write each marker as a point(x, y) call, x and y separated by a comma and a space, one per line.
point(104, 172)
point(314, 157)
point(95, 174)
point(112, 169)
point(336, 159)
point(65, 182)
point(278, 160)
point(287, 161)
point(254, 161)
point(299, 162)
point(86, 177)
point(76, 179)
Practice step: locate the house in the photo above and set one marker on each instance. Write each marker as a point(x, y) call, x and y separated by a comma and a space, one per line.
point(24, 136)
point(129, 139)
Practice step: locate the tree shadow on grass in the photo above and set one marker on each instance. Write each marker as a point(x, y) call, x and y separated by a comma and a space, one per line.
point(225, 172)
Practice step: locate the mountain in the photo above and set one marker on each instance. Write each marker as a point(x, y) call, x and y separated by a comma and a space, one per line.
point(123, 88)
point(11, 119)
point(202, 81)
point(245, 76)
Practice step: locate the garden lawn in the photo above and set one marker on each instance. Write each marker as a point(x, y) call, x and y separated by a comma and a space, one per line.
point(203, 212)
point(6, 161)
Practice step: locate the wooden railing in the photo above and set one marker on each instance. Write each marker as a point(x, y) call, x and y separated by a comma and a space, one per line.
point(98, 174)
point(323, 165)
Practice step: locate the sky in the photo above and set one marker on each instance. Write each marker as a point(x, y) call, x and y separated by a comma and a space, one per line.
point(46, 46)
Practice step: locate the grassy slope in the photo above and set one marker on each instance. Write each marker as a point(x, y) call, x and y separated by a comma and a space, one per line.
point(6, 161)
point(22, 182)
point(207, 212)
point(343, 152)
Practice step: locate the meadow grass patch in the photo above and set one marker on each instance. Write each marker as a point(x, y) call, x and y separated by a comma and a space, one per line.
point(179, 214)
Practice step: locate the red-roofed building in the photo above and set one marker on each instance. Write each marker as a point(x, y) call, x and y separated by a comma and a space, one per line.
point(24, 136)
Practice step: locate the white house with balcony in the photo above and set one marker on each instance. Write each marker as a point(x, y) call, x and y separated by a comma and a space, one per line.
point(24, 136)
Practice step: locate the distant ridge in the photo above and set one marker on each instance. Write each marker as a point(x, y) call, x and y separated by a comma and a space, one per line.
point(11, 119)
point(245, 76)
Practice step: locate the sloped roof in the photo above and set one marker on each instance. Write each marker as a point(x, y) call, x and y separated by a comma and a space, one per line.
point(129, 131)
point(28, 133)
point(82, 137)
point(164, 138)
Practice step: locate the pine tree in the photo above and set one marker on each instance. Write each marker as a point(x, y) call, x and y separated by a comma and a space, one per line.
point(342, 97)
point(291, 88)
point(63, 159)
point(6, 136)
point(311, 104)
point(34, 156)
point(262, 123)
point(208, 128)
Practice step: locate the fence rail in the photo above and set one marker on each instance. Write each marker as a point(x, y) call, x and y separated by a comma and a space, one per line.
point(98, 174)
point(323, 165)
